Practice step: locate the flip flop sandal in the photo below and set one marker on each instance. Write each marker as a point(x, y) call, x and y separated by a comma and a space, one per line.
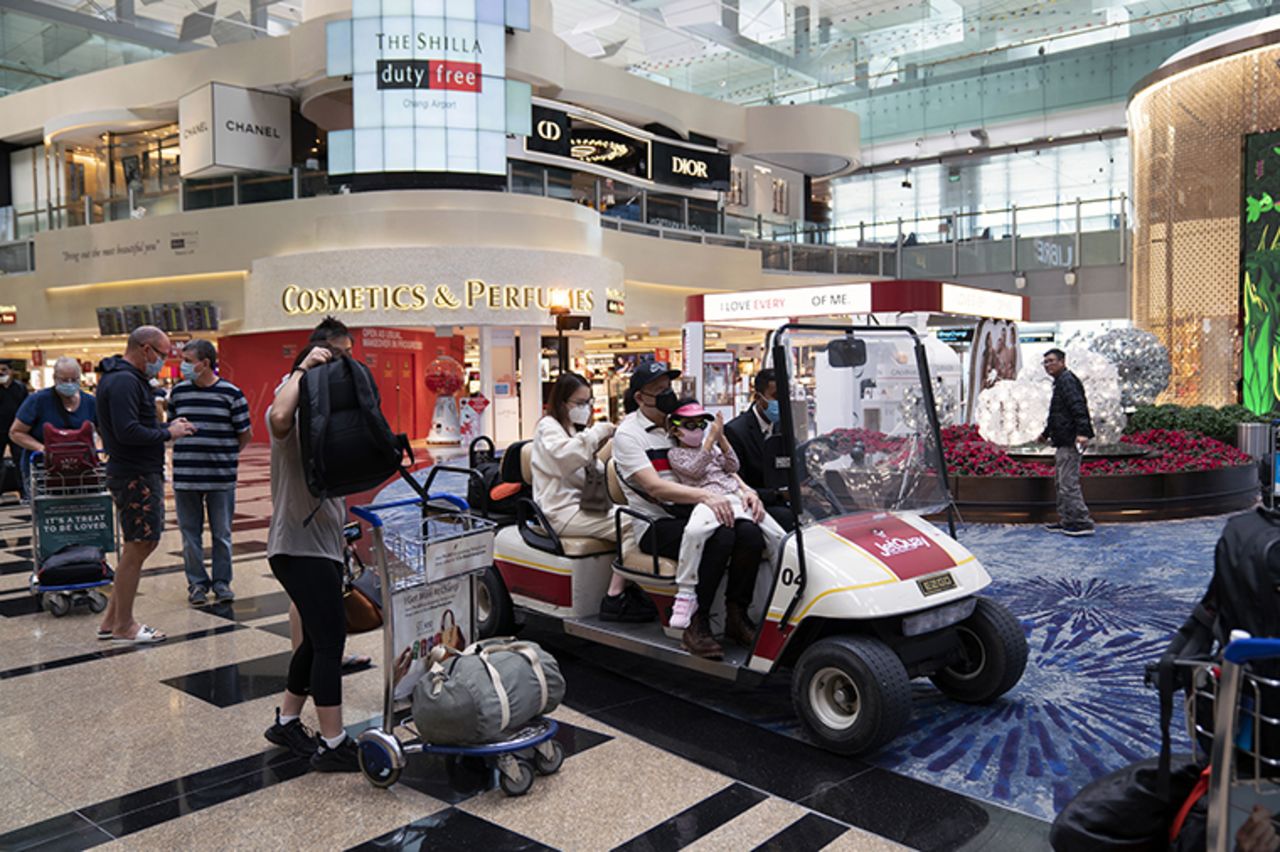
point(356, 662)
point(104, 636)
point(145, 636)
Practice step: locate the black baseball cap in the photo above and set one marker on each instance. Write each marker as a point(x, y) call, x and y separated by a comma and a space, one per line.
point(650, 371)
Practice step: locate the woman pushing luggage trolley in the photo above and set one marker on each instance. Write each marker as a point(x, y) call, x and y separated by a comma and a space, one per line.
point(427, 557)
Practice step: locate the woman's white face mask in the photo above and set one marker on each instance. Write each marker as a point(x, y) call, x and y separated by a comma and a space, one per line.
point(579, 414)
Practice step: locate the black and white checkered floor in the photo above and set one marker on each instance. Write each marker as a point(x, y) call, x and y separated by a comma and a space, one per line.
point(162, 748)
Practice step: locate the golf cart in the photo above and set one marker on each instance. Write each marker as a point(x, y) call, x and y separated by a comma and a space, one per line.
point(865, 595)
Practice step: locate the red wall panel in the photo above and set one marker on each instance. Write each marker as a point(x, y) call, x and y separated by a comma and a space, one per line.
point(398, 358)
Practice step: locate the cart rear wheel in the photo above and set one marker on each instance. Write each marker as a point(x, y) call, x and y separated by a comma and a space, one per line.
point(852, 693)
point(493, 605)
point(58, 604)
point(97, 601)
point(381, 758)
point(995, 655)
point(548, 757)
point(522, 780)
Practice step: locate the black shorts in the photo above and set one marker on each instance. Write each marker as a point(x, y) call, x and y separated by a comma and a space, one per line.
point(140, 503)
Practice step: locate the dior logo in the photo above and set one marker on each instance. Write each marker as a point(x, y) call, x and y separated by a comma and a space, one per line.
point(549, 130)
point(689, 167)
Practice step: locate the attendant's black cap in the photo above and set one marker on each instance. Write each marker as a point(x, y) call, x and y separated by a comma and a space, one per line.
point(650, 371)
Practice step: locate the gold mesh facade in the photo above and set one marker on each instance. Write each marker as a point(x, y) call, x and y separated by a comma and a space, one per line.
point(1186, 134)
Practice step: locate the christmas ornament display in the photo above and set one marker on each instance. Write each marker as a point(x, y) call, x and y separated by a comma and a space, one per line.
point(1012, 413)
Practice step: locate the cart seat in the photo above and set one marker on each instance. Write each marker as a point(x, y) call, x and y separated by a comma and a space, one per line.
point(636, 562)
point(578, 546)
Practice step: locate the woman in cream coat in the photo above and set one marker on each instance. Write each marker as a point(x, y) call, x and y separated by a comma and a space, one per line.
point(564, 446)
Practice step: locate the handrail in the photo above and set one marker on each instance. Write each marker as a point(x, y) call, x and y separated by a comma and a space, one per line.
point(784, 247)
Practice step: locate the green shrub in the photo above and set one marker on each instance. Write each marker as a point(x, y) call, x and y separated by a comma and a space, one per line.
point(1217, 423)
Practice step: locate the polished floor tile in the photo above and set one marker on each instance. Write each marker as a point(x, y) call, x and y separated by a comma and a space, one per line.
point(696, 821)
point(810, 831)
point(452, 829)
point(238, 682)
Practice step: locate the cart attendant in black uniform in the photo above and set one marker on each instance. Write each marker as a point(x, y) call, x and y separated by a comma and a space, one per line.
point(753, 434)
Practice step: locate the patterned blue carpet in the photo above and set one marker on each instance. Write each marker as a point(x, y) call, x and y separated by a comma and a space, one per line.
point(1096, 611)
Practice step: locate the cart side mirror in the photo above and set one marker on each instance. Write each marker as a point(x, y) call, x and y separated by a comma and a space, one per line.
point(847, 352)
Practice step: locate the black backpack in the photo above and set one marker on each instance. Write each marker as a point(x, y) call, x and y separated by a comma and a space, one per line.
point(482, 458)
point(1244, 594)
point(347, 445)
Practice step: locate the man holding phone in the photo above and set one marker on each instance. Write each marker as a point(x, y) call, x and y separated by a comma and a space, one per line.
point(135, 471)
point(1069, 430)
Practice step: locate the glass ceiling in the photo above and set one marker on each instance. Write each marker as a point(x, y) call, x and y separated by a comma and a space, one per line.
point(42, 41)
point(761, 51)
point(902, 64)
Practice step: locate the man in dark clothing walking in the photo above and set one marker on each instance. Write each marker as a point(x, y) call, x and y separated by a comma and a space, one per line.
point(12, 393)
point(1069, 430)
point(135, 470)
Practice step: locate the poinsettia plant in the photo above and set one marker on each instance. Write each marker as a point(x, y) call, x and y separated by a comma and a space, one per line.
point(1176, 451)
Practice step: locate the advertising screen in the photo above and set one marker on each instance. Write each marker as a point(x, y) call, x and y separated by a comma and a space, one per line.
point(429, 87)
point(1260, 272)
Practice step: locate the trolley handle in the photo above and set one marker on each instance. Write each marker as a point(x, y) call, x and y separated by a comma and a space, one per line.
point(1241, 651)
point(38, 455)
point(369, 514)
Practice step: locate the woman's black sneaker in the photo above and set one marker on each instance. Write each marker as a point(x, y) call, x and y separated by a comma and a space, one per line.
point(632, 606)
point(294, 736)
point(1078, 529)
point(344, 757)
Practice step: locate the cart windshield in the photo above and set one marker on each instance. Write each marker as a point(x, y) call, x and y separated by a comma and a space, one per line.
point(864, 437)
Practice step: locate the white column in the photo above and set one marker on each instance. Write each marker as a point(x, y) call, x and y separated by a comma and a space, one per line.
point(486, 378)
point(693, 345)
point(530, 381)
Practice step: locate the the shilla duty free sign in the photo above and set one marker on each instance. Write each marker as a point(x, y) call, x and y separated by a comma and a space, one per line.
point(429, 92)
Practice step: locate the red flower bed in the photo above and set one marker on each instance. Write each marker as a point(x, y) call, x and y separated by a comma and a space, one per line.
point(969, 454)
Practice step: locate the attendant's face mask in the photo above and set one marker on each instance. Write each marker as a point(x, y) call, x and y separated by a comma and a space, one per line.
point(580, 413)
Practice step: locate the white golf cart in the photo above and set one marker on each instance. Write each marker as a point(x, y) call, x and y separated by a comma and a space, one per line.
point(865, 595)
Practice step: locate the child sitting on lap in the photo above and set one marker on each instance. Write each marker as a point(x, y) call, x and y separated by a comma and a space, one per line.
point(705, 459)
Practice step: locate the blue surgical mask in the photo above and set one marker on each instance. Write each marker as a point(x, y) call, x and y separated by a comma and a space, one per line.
point(188, 370)
point(67, 389)
point(772, 412)
point(154, 367)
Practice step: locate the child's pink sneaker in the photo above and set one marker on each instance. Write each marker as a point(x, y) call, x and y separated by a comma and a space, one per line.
point(683, 609)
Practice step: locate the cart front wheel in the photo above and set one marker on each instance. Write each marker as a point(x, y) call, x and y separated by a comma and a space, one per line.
point(381, 758)
point(548, 757)
point(852, 693)
point(994, 655)
point(520, 779)
point(97, 601)
point(58, 604)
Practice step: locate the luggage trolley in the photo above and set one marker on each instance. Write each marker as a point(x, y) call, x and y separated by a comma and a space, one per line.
point(1241, 774)
point(70, 508)
point(427, 558)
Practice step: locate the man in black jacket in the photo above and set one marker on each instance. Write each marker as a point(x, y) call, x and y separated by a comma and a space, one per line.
point(1069, 430)
point(135, 470)
point(753, 436)
point(12, 393)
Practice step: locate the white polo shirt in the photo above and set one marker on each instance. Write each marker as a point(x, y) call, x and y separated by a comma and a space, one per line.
point(640, 444)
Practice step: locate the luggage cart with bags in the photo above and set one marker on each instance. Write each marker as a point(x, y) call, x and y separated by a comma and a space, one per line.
point(428, 552)
point(1233, 711)
point(73, 530)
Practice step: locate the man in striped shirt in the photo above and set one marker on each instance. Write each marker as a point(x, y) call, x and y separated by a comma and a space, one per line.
point(204, 467)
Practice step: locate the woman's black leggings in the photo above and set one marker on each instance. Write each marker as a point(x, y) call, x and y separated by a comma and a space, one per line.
point(315, 587)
